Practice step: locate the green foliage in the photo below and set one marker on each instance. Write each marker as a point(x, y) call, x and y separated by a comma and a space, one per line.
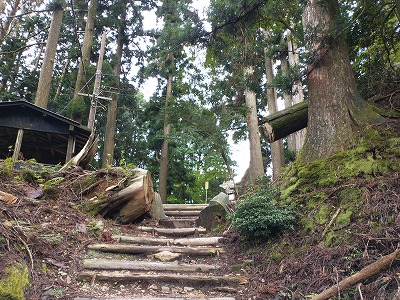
point(259, 217)
point(14, 282)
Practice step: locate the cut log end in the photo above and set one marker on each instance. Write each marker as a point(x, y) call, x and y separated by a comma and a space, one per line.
point(268, 132)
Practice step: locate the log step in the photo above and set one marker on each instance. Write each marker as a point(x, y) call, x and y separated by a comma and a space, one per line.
point(182, 213)
point(168, 298)
point(134, 249)
point(178, 223)
point(116, 264)
point(200, 241)
point(184, 206)
point(128, 276)
point(173, 231)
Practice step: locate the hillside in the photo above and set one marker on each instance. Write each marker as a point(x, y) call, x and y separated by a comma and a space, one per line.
point(348, 212)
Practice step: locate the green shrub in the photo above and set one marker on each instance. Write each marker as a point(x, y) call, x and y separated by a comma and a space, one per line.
point(259, 217)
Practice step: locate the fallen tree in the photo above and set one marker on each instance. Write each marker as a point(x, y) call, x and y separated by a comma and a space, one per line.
point(126, 201)
point(284, 122)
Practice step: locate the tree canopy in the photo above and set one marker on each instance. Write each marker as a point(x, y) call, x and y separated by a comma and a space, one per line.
point(207, 68)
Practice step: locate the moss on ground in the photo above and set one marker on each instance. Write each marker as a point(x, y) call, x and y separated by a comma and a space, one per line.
point(14, 282)
point(325, 191)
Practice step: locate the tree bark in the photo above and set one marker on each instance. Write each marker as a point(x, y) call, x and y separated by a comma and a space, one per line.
point(278, 160)
point(130, 203)
point(108, 151)
point(335, 106)
point(369, 271)
point(287, 98)
point(297, 89)
point(285, 122)
point(46, 73)
point(256, 167)
point(164, 160)
point(80, 84)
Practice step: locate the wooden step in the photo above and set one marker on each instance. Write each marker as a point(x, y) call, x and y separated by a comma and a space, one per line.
point(178, 223)
point(191, 207)
point(116, 264)
point(173, 231)
point(135, 249)
point(128, 276)
point(167, 298)
point(182, 213)
point(199, 241)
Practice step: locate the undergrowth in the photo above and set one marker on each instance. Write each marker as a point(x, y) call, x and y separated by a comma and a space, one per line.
point(258, 216)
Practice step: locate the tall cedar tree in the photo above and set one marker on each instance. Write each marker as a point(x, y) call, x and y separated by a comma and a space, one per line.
point(336, 108)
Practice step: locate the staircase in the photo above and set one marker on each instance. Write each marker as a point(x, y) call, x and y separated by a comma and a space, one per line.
point(172, 261)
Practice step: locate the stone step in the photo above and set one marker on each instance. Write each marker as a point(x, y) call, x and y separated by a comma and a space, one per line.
point(194, 241)
point(129, 265)
point(191, 207)
point(142, 249)
point(129, 276)
point(174, 231)
point(178, 223)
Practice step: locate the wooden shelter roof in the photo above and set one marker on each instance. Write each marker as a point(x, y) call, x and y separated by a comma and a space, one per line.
point(46, 134)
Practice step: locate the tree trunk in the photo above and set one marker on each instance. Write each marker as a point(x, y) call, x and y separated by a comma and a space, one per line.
point(80, 84)
point(43, 90)
point(284, 122)
point(163, 178)
point(108, 151)
point(4, 29)
point(335, 106)
point(297, 89)
point(287, 98)
point(127, 204)
point(256, 167)
point(278, 160)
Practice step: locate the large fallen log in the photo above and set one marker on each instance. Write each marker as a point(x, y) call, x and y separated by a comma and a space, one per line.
point(369, 271)
point(125, 203)
point(134, 249)
point(284, 122)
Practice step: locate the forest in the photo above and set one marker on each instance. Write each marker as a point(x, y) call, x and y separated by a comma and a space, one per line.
point(312, 85)
point(218, 73)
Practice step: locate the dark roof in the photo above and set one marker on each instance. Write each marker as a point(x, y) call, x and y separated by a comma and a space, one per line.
point(45, 133)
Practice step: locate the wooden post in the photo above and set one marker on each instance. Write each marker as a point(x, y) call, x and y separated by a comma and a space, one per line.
point(96, 89)
point(18, 144)
point(71, 143)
